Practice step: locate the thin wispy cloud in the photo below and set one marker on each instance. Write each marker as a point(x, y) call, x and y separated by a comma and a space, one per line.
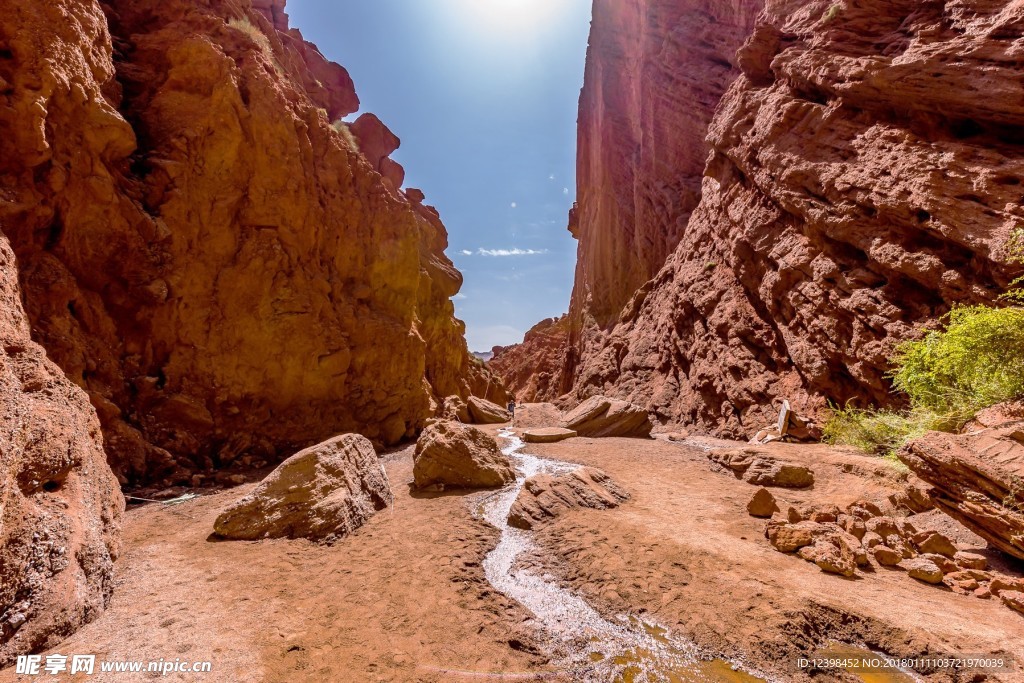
point(460, 296)
point(466, 252)
point(511, 252)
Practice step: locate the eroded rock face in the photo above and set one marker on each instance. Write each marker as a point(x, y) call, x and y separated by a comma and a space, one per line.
point(221, 269)
point(978, 480)
point(545, 496)
point(453, 455)
point(864, 175)
point(323, 492)
point(60, 507)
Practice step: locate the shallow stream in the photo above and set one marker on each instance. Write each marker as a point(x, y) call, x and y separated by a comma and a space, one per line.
point(628, 649)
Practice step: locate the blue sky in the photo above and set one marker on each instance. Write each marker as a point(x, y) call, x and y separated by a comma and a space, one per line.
point(484, 95)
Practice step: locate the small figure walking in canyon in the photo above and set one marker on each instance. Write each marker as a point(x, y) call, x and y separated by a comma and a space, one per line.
point(512, 406)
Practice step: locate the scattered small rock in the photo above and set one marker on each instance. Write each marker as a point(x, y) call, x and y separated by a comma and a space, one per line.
point(970, 560)
point(762, 504)
point(922, 570)
point(933, 542)
point(886, 556)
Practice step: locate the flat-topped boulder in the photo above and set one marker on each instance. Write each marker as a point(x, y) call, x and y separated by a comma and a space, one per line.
point(325, 491)
point(547, 435)
point(483, 412)
point(545, 496)
point(604, 417)
point(454, 455)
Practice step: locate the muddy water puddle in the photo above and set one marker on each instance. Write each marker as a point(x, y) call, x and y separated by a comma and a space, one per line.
point(598, 649)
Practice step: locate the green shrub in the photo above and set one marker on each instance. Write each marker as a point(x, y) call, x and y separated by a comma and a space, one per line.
point(977, 361)
point(883, 432)
point(832, 12)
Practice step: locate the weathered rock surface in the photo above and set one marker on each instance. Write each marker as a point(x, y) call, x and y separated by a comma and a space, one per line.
point(978, 480)
point(545, 497)
point(453, 455)
point(762, 469)
point(220, 269)
point(605, 417)
point(326, 491)
point(863, 176)
point(60, 507)
point(547, 435)
point(483, 412)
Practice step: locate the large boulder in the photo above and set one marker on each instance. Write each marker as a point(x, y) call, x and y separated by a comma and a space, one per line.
point(483, 412)
point(323, 492)
point(454, 408)
point(537, 415)
point(600, 416)
point(60, 507)
point(978, 480)
point(755, 466)
point(453, 455)
point(546, 496)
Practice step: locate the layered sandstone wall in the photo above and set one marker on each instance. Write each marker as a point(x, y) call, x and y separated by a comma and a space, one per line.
point(224, 271)
point(656, 70)
point(866, 171)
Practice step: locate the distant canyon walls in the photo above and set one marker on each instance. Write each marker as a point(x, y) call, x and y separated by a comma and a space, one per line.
point(228, 272)
point(864, 174)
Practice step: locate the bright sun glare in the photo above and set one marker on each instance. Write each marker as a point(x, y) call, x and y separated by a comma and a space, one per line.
point(510, 15)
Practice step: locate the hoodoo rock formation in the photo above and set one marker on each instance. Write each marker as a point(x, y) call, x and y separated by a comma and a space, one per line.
point(60, 508)
point(864, 174)
point(222, 269)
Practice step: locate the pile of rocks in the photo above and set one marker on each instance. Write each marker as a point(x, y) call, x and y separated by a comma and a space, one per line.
point(861, 537)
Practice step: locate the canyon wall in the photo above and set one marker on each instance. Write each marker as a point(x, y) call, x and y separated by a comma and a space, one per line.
point(227, 274)
point(864, 176)
point(60, 507)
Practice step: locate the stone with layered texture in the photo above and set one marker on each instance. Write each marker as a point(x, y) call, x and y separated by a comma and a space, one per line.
point(545, 497)
point(978, 479)
point(321, 493)
point(202, 252)
point(863, 176)
point(453, 455)
point(60, 507)
point(603, 417)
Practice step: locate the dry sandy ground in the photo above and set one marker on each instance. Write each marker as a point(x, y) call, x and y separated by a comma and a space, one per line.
point(405, 599)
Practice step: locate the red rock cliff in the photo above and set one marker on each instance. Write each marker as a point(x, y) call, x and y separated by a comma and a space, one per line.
point(222, 270)
point(60, 507)
point(865, 172)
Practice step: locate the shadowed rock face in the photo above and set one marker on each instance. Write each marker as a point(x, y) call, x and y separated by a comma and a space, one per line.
point(864, 175)
point(60, 508)
point(221, 270)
